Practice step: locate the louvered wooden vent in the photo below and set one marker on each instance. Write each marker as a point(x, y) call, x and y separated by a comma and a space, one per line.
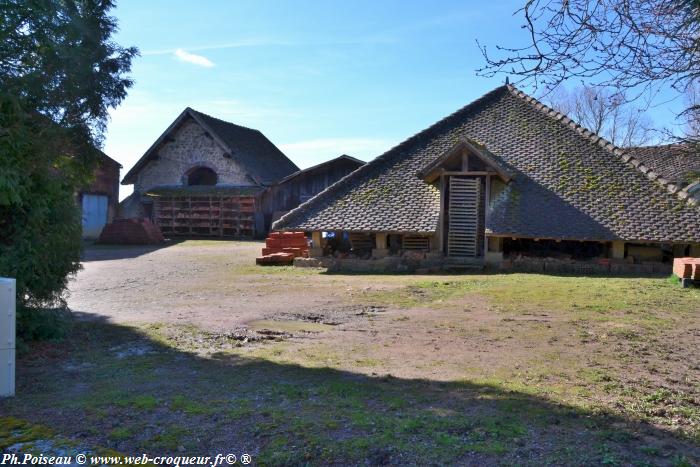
point(463, 215)
point(361, 241)
point(415, 242)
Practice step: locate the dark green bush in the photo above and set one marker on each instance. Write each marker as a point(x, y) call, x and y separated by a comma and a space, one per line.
point(40, 230)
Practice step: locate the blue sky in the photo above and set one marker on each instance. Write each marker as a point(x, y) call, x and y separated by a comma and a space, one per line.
point(319, 79)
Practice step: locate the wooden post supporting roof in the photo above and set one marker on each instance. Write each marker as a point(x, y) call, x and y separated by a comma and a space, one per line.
point(380, 245)
point(487, 203)
point(316, 251)
point(618, 249)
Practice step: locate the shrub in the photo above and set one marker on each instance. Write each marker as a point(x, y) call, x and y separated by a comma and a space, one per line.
point(40, 229)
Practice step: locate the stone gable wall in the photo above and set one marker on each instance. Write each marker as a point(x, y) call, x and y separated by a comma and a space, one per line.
point(189, 148)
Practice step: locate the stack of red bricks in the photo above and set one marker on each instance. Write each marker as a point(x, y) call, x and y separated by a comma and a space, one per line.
point(687, 268)
point(283, 247)
point(131, 232)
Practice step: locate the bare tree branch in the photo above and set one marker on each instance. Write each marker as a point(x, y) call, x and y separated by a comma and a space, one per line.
point(629, 45)
point(605, 112)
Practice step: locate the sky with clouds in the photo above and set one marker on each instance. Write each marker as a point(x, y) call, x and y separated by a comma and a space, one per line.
point(318, 78)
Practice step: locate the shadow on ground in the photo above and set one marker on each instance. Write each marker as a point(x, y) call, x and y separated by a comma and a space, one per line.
point(135, 391)
point(103, 252)
point(99, 252)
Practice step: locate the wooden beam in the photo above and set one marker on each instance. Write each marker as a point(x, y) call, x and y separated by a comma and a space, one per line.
point(474, 173)
point(434, 175)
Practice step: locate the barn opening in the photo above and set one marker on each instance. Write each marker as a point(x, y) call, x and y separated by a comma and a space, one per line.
point(201, 176)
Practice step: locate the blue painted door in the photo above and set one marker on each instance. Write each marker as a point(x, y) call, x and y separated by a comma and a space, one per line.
point(94, 215)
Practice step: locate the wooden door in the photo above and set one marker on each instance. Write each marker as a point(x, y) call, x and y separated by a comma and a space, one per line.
point(94, 209)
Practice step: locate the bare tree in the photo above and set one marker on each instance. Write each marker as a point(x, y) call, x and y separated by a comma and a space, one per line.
point(691, 115)
point(604, 112)
point(628, 45)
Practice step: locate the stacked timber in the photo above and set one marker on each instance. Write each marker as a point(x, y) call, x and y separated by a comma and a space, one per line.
point(282, 247)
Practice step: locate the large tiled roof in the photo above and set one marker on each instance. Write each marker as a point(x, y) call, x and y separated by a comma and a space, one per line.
point(568, 183)
point(263, 161)
point(252, 149)
point(674, 162)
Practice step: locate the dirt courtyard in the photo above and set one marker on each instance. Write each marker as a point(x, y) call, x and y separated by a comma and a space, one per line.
point(192, 348)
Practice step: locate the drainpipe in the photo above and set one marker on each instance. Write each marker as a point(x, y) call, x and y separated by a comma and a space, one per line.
point(7, 336)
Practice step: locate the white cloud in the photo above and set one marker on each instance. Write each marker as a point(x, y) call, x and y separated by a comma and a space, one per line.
point(251, 42)
point(200, 60)
point(311, 152)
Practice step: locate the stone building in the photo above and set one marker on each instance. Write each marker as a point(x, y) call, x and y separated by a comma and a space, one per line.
point(208, 177)
point(507, 176)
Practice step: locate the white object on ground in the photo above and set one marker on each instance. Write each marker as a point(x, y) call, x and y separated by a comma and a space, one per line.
point(8, 313)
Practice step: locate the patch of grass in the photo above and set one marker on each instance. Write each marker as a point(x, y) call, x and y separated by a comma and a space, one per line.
point(425, 292)
point(290, 271)
point(595, 375)
point(290, 326)
point(105, 395)
point(580, 297)
point(241, 408)
point(144, 402)
point(121, 433)
point(14, 430)
point(291, 391)
point(664, 405)
point(191, 407)
point(172, 437)
point(367, 362)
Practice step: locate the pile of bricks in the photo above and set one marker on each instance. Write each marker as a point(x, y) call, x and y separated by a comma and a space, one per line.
point(282, 247)
point(687, 270)
point(131, 232)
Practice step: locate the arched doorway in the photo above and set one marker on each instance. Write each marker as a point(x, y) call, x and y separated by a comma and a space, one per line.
point(201, 176)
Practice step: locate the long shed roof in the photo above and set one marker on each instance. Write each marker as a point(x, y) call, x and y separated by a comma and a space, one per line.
point(567, 182)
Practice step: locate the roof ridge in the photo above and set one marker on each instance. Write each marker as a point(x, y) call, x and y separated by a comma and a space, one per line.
point(223, 121)
point(320, 164)
point(390, 152)
point(667, 145)
point(595, 138)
